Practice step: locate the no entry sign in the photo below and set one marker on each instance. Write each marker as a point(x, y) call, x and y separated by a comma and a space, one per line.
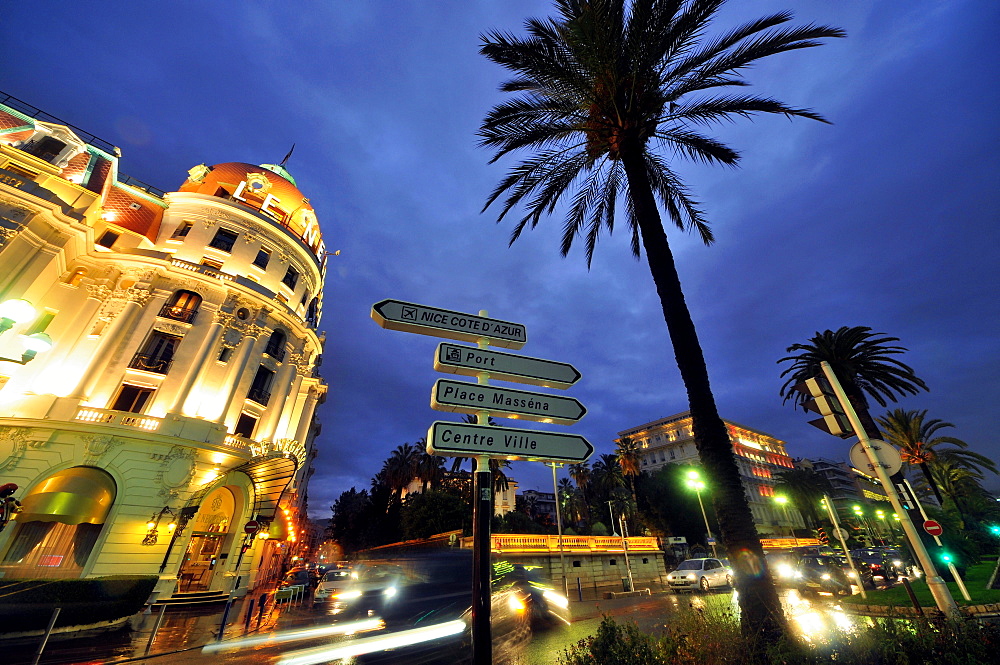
point(251, 527)
point(933, 528)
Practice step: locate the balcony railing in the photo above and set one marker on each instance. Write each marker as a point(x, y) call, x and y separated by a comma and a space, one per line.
point(514, 542)
point(181, 314)
point(150, 363)
point(276, 352)
point(123, 418)
point(262, 397)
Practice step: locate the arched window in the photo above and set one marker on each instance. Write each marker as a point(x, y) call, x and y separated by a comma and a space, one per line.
point(276, 345)
point(59, 524)
point(312, 313)
point(182, 306)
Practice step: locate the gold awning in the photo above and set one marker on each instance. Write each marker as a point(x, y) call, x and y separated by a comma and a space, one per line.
point(79, 495)
point(278, 528)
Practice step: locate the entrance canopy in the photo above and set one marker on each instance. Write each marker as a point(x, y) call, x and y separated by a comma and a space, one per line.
point(271, 474)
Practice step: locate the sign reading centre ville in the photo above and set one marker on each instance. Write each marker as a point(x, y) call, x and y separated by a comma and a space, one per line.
point(461, 397)
point(470, 361)
point(464, 440)
point(409, 317)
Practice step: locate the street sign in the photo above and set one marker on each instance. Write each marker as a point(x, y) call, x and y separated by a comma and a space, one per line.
point(933, 528)
point(470, 361)
point(462, 397)
point(408, 317)
point(251, 527)
point(464, 440)
point(841, 534)
point(889, 456)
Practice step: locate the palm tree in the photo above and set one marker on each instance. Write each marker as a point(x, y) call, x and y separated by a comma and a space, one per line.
point(916, 440)
point(805, 488)
point(400, 469)
point(861, 360)
point(429, 468)
point(611, 91)
point(629, 455)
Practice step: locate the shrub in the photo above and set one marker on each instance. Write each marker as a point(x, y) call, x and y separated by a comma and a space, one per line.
point(28, 604)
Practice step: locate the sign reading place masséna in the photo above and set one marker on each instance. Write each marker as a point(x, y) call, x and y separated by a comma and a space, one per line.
point(410, 317)
point(461, 397)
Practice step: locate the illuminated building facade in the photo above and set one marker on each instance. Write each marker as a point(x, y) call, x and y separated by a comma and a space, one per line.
point(177, 402)
point(760, 458)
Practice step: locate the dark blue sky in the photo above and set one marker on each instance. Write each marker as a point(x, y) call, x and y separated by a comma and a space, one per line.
point(887, 218)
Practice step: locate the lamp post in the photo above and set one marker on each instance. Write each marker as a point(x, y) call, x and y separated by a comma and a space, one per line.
point(859, 513)
point(20, 311)
point(695, 483)
point(782, 501)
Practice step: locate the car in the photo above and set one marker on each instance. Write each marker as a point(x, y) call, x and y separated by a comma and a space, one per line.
point(822, 574)
point(862, 576)
point(368, 589)
point(901, 561)
point(880, 566)
point(528, 593)
point(783, 567)
point(702, 574)
point(331, 583)
point(297, 577)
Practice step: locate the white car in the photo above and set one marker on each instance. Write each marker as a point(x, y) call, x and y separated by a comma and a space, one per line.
point(368, 584)
point(702, 574)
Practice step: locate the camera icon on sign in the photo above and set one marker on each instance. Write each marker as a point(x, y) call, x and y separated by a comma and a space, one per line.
point(453, 355)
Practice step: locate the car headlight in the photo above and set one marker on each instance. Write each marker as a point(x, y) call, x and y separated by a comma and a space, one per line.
point(825, 576)
point(390, 592)
point(556, 598)
point(348, 595)
point(898, 564)
point(692, 576)
point(784, 570)
point(852, 574)
point(515, 603)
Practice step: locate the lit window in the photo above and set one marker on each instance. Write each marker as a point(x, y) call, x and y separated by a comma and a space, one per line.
point(224, 240)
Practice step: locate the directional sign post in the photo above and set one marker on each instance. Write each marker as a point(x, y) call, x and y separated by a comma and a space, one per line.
point(464, 440)
point(408, 317)
point(462, 397)
point(470, 361)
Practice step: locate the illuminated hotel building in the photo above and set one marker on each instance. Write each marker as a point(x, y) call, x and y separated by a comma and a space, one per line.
point(177, 402)
point(760, 458)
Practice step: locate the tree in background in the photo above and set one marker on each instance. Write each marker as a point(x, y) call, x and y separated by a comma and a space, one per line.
point(611, 93)
point(805, 489)
point(629, 455)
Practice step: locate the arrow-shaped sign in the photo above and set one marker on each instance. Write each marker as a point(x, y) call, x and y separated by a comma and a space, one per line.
point(463, 440)
point(470, 361)
point(461, 397)
point(408, 317)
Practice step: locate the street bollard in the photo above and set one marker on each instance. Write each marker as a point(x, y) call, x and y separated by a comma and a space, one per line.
point(48, 631)
point(156, 627)
point(260, 609)
point(913, 596)
point(579, 588)
point(249, 616)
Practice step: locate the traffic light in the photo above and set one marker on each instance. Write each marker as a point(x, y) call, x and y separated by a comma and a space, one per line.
point(995, 529)
point(946, 557)
point(824, 402)
point(822, 537)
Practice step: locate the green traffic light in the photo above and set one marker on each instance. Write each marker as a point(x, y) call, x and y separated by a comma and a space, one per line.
point(995, 529)
point(946, 557)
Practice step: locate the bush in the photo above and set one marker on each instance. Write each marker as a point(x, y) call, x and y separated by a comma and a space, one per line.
point(711, 635)
point(28, 604)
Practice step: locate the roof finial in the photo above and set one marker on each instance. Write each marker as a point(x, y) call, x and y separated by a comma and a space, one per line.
point(288, 155)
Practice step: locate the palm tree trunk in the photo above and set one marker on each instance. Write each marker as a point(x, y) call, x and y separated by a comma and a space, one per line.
point(761, 613)
point(933, 485)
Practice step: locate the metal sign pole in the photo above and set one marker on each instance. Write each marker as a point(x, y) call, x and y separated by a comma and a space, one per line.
point(832, 514)
point(937, 586)
point(951, 566)
point(482, 513)
point(562, 556)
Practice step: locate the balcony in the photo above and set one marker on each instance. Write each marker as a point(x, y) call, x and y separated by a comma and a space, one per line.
point(181, 314)
point(122, 418)
point(259, 396)
point(150, 363)
point(275, 351)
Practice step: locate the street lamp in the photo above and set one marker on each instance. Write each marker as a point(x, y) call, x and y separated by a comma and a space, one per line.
point(695, 483)
point(19, 311)
point(782, 501)
point(863, 522)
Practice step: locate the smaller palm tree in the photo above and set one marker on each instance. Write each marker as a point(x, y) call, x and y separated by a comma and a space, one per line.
point(629, 456)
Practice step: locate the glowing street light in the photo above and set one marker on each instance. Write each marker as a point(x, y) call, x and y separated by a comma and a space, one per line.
point(695, 483)
point(782, 501)
point(20, 311)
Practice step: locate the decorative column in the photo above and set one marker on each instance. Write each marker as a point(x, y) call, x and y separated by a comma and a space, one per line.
point(111, 339)
point(83, 321)
point(293, 402)
point(241, 360)
point(209, 340)
point(305, 419)
point(279, 393)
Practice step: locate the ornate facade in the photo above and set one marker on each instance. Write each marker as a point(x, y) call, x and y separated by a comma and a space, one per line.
point(177, 402)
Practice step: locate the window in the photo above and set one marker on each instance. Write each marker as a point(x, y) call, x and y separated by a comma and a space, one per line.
point(291, 277)
point(157, 353)
point(224, 239)
point(75, 277)
point(276, 346)
point(576, 563)
point(211, 263)
point(47, 148)
point(107, 239)
point(132, 398)
point(182, 306)
point(263, 256)
point(645, 560)
point(260, 389)
point(182, 230)
point(245, 425)
point(613, 562)
point(225, 354)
